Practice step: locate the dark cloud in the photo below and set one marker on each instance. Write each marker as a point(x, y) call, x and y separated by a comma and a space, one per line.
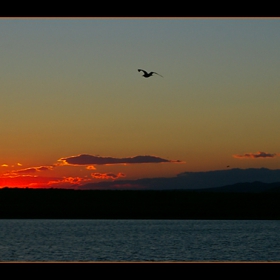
point(256, 155)
point(89, 159)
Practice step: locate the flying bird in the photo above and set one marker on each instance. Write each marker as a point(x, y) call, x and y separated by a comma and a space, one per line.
point(146, 74)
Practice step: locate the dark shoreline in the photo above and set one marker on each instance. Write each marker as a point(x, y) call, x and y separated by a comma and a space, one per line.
point(93, 204)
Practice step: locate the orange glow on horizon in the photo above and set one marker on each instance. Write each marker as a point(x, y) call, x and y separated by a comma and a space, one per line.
point(28, 181)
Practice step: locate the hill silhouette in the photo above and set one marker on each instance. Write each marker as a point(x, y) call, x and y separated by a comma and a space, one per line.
point(193, 180)
point(246, 187)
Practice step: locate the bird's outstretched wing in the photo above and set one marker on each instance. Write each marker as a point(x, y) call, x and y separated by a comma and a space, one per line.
point(157, 74)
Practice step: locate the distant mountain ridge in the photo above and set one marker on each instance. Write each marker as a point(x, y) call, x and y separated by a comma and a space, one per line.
point(252, 187)
point(198, 181)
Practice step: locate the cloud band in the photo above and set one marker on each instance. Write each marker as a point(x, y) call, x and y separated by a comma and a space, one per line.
point(256, 155)
point(85, 159)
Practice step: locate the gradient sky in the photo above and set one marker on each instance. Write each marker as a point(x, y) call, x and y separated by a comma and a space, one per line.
point(74, 108)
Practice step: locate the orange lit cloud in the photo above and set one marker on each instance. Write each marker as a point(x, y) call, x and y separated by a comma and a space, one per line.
point(6, 165)
point(30, 170)
point(256, 155)
point(90, 167)
point(107, 175)
point(74, 180)
point(84, 159)
point(69, 180)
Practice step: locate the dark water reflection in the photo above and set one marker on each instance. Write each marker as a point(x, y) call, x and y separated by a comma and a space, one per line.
point(139, 240)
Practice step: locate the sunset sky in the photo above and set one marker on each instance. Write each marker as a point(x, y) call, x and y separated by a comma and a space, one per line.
point(74, 108)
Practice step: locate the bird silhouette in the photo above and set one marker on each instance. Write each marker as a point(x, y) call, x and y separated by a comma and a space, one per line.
point(146, 74)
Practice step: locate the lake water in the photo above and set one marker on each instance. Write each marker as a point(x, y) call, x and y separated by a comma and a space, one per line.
point(139, 240)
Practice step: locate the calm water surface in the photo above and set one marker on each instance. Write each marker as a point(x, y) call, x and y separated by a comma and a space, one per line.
point(139, 240)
